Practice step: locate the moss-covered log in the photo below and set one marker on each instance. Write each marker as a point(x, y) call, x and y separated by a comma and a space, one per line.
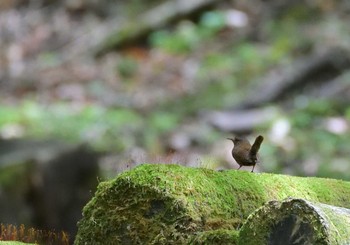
point(158, 203)
point(297, 221)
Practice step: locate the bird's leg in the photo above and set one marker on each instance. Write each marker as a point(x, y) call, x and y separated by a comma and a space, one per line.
point(239, 167)
point(253, 168)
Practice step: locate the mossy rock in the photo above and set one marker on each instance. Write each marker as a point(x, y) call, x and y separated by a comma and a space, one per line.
point(156, 203)
point(296, 221)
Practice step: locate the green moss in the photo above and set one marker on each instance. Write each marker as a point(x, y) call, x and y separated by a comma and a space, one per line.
point(219, 236)
point(261, 224)
point(152, 203)
point(338, 220)
point(298, 220)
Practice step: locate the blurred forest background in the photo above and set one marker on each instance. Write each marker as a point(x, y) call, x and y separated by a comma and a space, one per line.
point(90, 88)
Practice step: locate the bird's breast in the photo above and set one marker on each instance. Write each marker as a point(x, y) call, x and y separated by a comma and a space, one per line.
point(243, 158)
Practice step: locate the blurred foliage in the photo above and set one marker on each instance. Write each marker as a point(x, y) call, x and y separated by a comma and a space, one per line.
point(127, 67)
point(228, 69)
point(315, 140)
point(105, 129)
point(310, 147)
point(224, 75)
point(187, 35)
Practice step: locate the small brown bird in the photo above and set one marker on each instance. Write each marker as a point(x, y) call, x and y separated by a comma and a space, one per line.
point(244, 153)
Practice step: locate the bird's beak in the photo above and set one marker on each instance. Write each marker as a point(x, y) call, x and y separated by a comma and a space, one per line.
point(229, 139)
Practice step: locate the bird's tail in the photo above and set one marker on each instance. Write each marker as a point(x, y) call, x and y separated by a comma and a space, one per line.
point(256, 146)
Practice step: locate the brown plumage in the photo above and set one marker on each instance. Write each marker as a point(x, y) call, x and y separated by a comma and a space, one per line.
point(244, 153)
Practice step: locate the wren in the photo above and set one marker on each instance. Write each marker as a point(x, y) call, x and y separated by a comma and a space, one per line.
point(244, 153)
